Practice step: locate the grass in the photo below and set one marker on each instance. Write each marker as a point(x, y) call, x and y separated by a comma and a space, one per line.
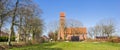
point(5, 43)
point(72, 46)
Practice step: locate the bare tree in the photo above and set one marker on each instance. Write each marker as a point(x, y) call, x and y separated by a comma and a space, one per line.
point(91, 32)
point(52, 26)
point(51, 35)
point(3, 13)
point(95, 31)
point(31, 25)
point(12, 24)
point(36, 27)
point(20, 11)
point(108, 27)
point(103, 28)
point(74, 24)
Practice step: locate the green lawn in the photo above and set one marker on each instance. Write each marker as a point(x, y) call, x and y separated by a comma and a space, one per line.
point(72, 46)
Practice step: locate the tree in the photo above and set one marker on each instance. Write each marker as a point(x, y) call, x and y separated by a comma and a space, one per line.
point(74, 24)
point(91, 32)
point(36, 27)
point(95, 31)
point(3, 13)
point(52, 26)
point(30, 22)
point(51, 35)
point(12, 24)
point(108, 27)
point(56, 35)
point(103, 28)
point(21, 11)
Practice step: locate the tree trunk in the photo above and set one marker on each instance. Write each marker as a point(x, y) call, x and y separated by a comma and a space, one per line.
point(0, 26)
point(10, 34)
point(33, 36)
point(1, 23)
point(12, 25)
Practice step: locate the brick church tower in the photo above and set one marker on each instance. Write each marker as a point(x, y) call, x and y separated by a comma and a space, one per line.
point(62, 26)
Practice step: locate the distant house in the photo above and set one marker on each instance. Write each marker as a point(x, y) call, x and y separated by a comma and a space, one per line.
point(101, 38)
point(3, 34)
point(45, 38)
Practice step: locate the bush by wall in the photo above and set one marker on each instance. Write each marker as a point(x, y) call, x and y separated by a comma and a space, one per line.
point(5, 39)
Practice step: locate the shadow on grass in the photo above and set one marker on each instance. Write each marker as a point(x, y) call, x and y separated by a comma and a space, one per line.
point(44, 46)
point(37, 49)
point(52, 49)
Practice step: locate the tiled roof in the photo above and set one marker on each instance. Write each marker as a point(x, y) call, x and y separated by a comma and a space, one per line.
point(76, 30)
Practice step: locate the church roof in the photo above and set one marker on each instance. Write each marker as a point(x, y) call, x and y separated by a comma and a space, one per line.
point(81, 30)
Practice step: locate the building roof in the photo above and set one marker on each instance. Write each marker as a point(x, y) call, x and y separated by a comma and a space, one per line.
point(81, 30)
point(3, 33)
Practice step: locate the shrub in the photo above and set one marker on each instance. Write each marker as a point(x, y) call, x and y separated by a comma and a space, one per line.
point(115, 40)
point(5, 39)
point(41, 40)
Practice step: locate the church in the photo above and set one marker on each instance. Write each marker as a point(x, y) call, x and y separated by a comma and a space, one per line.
point(71, 33)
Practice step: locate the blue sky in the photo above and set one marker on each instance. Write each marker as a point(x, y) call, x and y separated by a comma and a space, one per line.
point(89, 12)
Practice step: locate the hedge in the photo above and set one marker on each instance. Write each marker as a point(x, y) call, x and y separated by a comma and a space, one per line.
point(5, 39)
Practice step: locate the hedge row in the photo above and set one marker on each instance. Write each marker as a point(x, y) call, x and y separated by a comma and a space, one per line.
point(115, 40)
point(5, 39)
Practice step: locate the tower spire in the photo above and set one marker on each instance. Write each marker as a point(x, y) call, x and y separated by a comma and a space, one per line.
point(62, 14)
